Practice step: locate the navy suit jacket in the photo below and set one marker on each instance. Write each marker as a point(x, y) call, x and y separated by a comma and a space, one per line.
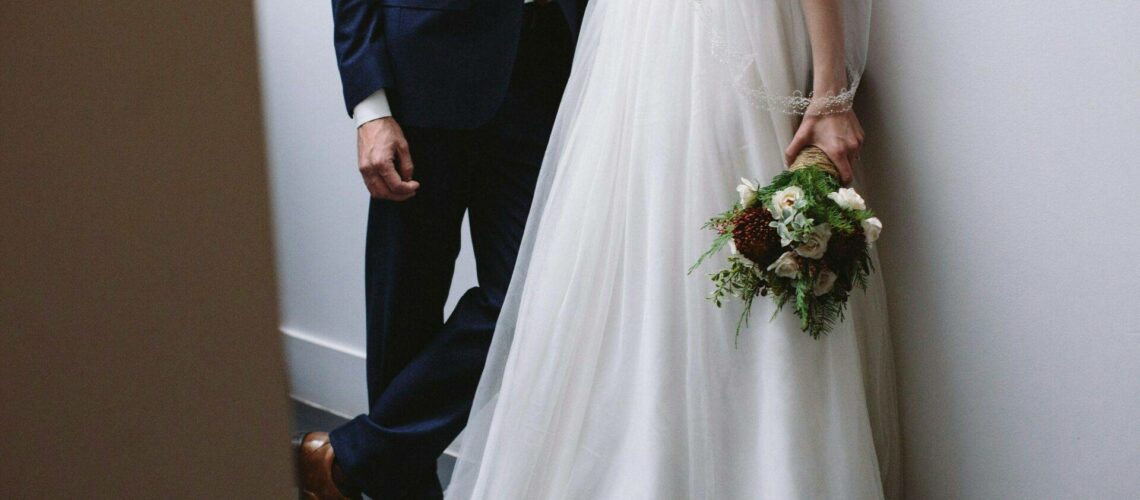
point(442, 63)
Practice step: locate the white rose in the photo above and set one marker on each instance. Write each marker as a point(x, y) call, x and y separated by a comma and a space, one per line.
point(848, 199)
point(824, 283)
point(786, 201)
point(787, 266)
point(816, 243)
point(871, 229)
point(747, 190)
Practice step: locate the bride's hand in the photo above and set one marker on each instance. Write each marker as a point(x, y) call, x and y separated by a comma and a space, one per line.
point(839, 135)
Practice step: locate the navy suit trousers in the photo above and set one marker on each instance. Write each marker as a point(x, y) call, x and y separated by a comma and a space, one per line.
point(422, 368)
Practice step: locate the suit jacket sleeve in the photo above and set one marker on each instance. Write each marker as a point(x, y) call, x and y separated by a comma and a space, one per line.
point(361, 53)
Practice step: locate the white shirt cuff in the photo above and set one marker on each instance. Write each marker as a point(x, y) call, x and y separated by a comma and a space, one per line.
point(373, 107)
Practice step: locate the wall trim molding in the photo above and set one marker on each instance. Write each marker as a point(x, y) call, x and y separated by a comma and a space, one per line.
point(326, 375)
point(313, 339)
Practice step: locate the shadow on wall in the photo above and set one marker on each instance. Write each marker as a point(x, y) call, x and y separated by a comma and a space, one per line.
point(997, 138)
point(904, 256)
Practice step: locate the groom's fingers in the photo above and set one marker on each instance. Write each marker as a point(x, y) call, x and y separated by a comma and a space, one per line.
point(404, 154)
point(376, 186)
point(398, 186)
point(382, 180)
point(380, 145)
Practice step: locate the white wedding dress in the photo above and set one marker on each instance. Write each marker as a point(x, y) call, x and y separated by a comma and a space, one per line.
point(611, 376)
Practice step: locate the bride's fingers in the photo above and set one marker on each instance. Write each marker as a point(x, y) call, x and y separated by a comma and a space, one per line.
point(843, 165)
point(799, 142)
point(790, 153)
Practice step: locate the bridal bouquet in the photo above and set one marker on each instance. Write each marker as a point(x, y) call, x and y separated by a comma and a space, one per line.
point(803, 240)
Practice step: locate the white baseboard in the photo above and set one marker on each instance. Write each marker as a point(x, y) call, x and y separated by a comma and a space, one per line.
point(326, 375)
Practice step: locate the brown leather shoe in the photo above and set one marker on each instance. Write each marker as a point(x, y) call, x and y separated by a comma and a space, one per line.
point(315, 468)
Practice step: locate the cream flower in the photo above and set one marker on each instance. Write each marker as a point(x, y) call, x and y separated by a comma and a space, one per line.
point(824, 282)
point(816, 243)
point(786, 200)
point(787, 266)
point(747, 190)
point(871, 229)
point(848, 199)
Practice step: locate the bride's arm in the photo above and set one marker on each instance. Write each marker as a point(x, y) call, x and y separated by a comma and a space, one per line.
point(838, 134)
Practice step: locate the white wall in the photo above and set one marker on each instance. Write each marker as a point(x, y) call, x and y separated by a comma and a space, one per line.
point(320, 206)
point(1002, 157)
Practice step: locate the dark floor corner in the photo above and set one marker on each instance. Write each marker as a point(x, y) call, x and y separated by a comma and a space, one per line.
point(310, 418)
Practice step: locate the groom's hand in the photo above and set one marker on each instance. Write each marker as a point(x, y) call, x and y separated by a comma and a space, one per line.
point(384, 160)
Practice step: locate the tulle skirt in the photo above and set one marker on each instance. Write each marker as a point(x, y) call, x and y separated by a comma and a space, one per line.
point(611, 376)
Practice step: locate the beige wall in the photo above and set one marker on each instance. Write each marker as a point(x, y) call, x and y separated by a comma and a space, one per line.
point(140, 356)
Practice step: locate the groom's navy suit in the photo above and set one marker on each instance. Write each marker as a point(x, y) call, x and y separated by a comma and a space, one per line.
point(475, 85)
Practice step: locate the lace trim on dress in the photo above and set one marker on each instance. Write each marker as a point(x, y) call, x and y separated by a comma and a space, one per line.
point(745, 79)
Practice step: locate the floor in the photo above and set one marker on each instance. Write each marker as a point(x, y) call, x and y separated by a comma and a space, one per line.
point(308, 418)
